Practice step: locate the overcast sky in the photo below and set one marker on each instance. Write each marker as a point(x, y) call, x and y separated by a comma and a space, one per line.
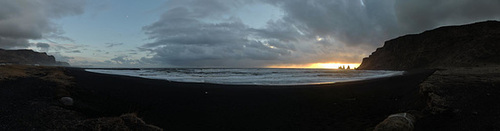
point(223, 33)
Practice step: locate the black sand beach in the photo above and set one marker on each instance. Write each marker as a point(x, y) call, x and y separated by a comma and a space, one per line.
point(193, 106)
point(30, 99)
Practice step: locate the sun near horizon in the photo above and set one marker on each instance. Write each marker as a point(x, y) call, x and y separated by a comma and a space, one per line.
point(331, 65)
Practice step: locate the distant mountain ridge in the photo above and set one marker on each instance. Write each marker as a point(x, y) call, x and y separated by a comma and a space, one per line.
point(28, 57)
point(470, 45)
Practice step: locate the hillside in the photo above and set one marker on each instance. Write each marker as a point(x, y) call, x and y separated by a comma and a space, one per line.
point(28, 57)
point(471, 45)
point(462, 92)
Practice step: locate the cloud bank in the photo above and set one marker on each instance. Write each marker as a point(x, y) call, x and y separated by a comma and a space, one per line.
point(217, 33)
point(183, 37)
point(22, 20)
point(418, 15)
point(203, 33)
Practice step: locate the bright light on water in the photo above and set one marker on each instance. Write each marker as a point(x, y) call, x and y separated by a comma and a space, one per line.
point(257, 76)
point(319, 65)
point(333, 65)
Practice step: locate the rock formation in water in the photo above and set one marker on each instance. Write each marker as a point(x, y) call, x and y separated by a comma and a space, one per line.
point(28, 57)
point(471, 45)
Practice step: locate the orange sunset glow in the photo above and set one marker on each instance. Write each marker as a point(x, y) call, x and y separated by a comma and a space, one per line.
point(318, 65)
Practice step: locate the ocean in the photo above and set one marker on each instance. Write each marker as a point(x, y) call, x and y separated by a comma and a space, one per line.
point(251, 76)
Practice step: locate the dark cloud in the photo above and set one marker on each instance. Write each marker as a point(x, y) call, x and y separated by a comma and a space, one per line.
point(6, 42)
point(213, 9)
point(203, 33)
point(124, 60)
point(44, 47)
point(348, 21)
point(368, 22)
point(181, 38)
point(418, 15)
point(60, 57)
point(21, 20)
point(74, 51)
point(109, 45)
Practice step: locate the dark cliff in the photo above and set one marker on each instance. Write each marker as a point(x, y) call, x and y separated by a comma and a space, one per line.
point(28, 57)
point(471, 45)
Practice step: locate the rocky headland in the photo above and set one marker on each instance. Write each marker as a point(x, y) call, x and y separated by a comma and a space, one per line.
point(463, 91)
point(470, 45)
point(28, 57)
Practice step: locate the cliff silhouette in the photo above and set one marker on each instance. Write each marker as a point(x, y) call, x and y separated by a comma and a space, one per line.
point(471, 45)
point(462, 91)
point(28, 57)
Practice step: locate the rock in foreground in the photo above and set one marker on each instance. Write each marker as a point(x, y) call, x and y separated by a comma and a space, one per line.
point(41, 98)
point(462, 99)
point(462, 93)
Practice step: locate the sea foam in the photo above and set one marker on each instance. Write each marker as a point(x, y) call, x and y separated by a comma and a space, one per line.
point(253, 76)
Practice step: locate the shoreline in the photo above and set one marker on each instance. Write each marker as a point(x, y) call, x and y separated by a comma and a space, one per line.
point(356, 105)
point(155, 76)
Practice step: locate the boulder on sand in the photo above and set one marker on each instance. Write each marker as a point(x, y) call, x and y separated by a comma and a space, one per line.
point(397, 122)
